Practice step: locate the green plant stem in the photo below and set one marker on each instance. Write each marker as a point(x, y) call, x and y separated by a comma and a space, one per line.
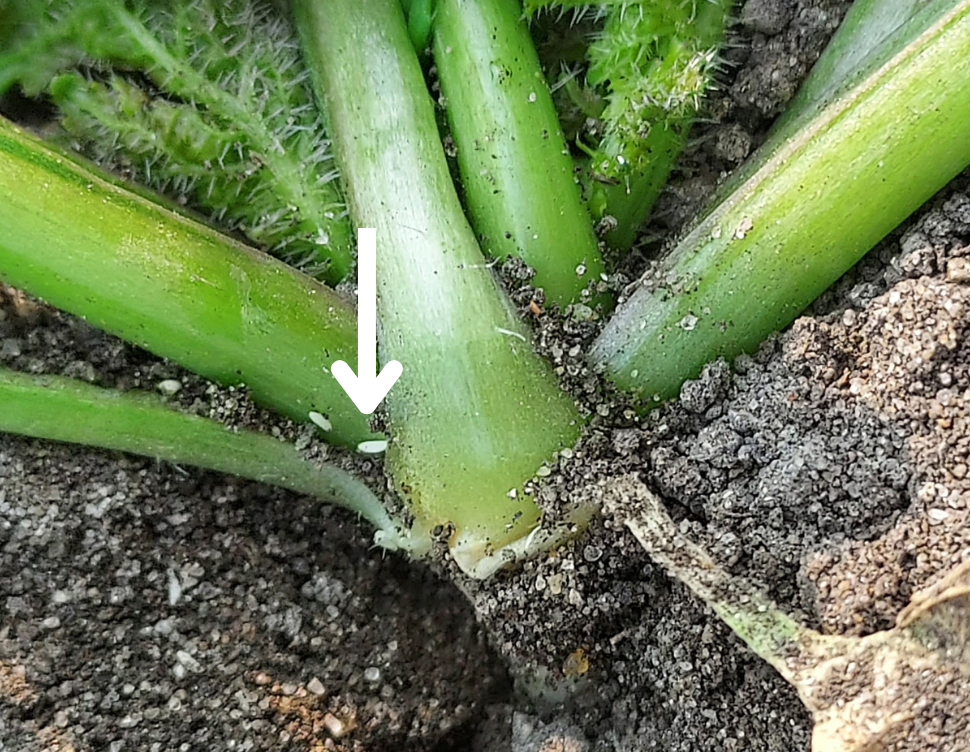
point(869, 36)
point(811, 203)
point(420, 16)
point(172, 286)
point(628, 199)
point(61, 409)
point(476, 411)
point(517, 174)
point(656, 60)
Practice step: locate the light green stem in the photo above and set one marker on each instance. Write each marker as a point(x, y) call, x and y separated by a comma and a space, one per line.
point(628, 199)
point(871, 33)
point(71, 236)
point(476, 411)
point(812, 202)
point(420, 15)
point(517, 174)
point(61, 409)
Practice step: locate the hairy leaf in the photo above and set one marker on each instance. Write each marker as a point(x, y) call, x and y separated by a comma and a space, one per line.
point(653, 63)
point(205, 101)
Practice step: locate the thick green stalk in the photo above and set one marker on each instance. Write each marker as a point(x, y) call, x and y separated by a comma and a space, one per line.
point(517, 174)
point(476, 411)
point(172, 286)
point(60, 409)
point(810, 205)
point(869, 36)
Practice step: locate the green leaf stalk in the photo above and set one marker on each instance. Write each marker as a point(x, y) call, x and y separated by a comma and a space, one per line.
point(811, 202)
point(61, 409)
point(420, 16)
point(476, 412)
point(516, 171)
point(75, 238)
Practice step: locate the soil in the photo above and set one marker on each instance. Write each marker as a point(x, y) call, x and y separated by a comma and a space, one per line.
point(145, 606)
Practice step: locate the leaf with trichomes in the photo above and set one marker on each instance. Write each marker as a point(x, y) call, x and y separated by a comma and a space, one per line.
point(653, 62)
point(205, 101)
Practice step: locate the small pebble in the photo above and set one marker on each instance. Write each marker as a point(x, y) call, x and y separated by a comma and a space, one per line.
point(9, 349)
point(174, 588)
point(185, 659)
point(335, 727)
point(169, 387)
point(164, 627)
point(958, 270)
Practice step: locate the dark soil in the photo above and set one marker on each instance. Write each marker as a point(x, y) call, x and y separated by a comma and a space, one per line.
point(153, 607)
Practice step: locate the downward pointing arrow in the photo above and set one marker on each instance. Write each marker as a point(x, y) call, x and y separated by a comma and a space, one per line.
point(368, 387)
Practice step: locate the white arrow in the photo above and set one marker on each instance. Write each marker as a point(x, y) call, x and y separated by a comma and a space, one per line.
point(368, 387)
